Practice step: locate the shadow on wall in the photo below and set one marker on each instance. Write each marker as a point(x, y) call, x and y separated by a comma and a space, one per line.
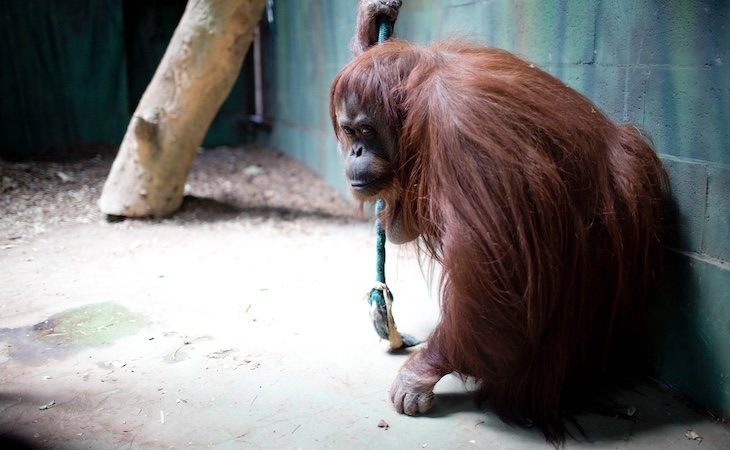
point(688, 345)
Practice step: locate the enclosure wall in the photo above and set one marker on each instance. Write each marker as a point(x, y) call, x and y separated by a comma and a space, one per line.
point(73, 71)
point(662, 65)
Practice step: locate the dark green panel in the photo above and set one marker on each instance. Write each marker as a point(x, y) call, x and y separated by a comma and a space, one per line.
point(72, 73)
point(149, 25)
point(62, 76)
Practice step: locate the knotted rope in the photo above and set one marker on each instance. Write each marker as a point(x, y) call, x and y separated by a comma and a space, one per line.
point(380, 298)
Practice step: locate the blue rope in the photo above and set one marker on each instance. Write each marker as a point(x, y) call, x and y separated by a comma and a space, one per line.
point(379, 311)
point(380, 296)
point(379, 243)
point(385, 29)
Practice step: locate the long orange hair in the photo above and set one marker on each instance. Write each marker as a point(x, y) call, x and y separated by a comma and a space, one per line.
point(543, 213)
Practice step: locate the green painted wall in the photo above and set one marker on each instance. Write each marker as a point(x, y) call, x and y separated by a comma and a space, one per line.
point(662, 65)
point(73, 71)
point(62, 76)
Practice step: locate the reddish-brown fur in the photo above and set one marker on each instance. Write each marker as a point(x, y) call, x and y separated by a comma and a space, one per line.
point(543, 214)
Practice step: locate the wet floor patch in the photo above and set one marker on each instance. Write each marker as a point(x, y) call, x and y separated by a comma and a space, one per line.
point(92, 325)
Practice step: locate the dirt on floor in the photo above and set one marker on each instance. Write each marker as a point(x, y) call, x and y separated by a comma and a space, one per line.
point(37, 197)
point(238, 322)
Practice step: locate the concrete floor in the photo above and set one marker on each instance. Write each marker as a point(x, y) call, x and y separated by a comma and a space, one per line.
point(242, 333)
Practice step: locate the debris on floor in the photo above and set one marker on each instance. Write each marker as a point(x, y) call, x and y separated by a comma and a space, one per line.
point(48, 405)
point(693, 435)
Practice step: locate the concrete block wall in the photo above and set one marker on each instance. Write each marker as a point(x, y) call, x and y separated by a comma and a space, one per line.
point(660, 64)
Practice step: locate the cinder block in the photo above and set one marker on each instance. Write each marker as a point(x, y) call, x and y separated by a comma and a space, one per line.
point(416, 22)
point(617, 91)
point(668, 33)
point(685, 213)
point(686, 111)
point(546, 33)
point(717, 225)
point(460, 20)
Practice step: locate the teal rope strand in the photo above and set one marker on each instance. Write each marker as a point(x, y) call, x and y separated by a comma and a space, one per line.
point(378, 307)
point(385, 29)
point(379, 243)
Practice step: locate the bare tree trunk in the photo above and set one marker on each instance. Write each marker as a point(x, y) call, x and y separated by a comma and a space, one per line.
point(195, 76)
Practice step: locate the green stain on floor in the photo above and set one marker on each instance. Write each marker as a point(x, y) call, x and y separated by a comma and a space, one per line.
point(89, 325)
point(92, 325)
